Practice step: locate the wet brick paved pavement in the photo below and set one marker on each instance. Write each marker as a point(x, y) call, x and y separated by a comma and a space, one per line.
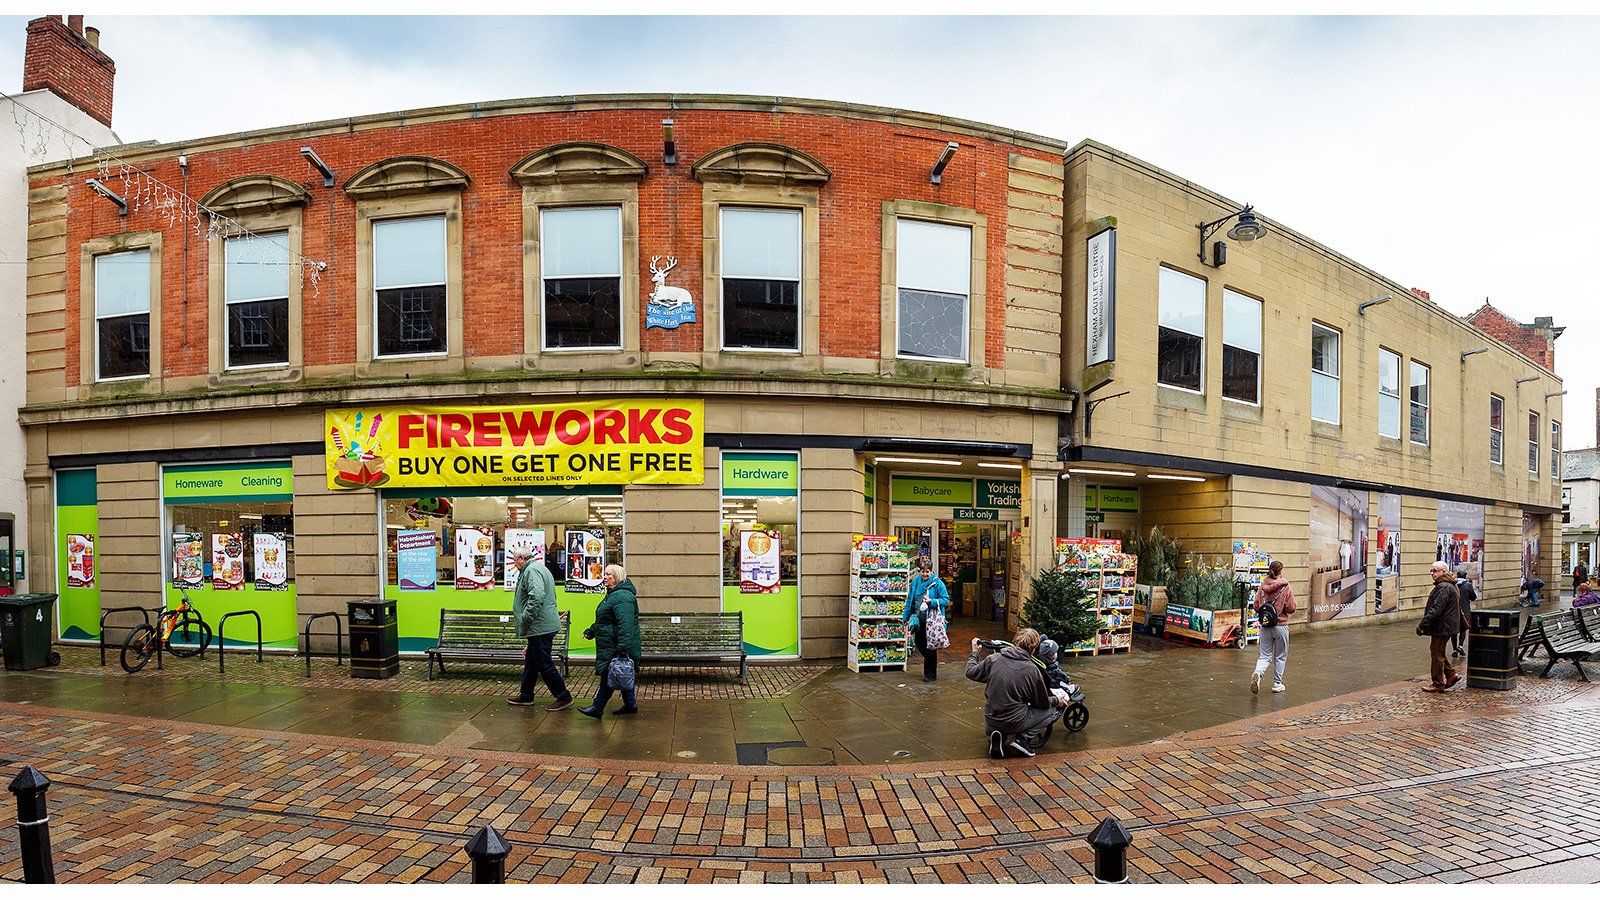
point(1385, 784)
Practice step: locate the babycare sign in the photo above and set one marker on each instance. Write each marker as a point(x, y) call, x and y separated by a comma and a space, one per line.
point(559, 444)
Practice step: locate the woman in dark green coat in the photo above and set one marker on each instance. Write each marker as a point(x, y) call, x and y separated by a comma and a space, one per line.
point(615, 632)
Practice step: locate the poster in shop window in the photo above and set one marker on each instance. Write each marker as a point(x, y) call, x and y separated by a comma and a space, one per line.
point(80, 560)
point(227, 561)
point(417, 560)
point(474, 559)
point(586, 561)
point(1460, 543)
point(529, 539)
point(758, 562)
point(188, 559)
point(272, 560)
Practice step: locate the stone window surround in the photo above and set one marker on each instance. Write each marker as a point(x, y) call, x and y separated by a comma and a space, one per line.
point(408, 187)
point(286, 220)
point(576, 175)
point(759, 176)
point(89, 385)
point(447, 205)
point(977, 305)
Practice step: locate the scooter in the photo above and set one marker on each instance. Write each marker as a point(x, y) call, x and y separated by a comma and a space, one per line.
point(1076, 715)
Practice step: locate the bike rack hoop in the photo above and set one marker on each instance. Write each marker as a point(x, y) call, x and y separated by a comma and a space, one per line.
point(222, 622)
point(338, 642)
point(138, 609)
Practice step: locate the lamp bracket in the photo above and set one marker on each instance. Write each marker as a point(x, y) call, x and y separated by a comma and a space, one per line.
point(1207, 229)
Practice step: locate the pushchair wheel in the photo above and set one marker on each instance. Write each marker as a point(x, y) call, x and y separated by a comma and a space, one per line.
point(1038, 739)
point(1076, 716)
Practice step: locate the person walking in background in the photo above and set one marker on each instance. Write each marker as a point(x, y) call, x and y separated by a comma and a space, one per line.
point(1468, 595)
point(925, 596)
point(1580, 577)
point(1440, 620)
point(533, 610)
point(615, 632)
point(1273, 603)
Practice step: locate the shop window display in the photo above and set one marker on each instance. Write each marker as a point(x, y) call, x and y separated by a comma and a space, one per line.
point(450, 552)
point(761, 549)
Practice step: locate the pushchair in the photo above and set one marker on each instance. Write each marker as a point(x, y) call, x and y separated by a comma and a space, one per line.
point(1059, 683)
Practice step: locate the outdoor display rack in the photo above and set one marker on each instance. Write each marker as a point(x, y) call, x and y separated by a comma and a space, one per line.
point(1107, 575)
point(880, 575)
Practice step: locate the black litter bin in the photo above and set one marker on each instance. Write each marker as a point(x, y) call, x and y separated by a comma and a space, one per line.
point(374, 639)
point(1492, 649)
point(26, 621)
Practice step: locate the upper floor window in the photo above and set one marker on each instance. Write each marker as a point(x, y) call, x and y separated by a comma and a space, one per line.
point(1388, 394)
point(1555, 450)
point(122, 315)
point(1181, 336)
point(1419, 403)
point(1324, 374)
point(760, 279)
point(933, 274)
point(256, 277)
point(1533, 443)
point(1497, 429)
point(408, 278)
point(581, 267)
point(1241, 347)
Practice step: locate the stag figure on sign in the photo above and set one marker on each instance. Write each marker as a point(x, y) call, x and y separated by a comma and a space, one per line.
point(664, 296)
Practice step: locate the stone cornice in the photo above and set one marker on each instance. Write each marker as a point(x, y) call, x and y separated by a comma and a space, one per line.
point(500, 388)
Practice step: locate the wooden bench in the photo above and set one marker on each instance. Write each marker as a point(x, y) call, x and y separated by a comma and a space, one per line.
point(1562, 637)
point(700, 638)
point(487, 636)
point(1589, 621)
point(1532, 639)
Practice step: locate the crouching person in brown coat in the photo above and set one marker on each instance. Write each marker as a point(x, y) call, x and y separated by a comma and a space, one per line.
point(1440, 620)
point(1016, 705)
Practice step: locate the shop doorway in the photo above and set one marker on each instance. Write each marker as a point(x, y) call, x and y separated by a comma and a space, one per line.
point(973, 558)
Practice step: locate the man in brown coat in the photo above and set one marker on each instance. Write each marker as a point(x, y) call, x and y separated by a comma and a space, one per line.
point(1440, 620)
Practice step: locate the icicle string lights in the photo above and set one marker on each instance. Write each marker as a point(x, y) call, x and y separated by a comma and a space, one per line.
point(143, 191)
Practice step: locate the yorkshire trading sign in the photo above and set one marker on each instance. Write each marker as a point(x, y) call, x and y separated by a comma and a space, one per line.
point(548, 445)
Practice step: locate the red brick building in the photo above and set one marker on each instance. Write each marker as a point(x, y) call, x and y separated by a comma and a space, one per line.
point(841, 284)
point(1536, 341)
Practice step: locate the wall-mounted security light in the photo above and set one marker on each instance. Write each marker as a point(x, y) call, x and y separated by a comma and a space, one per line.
point(1362, 309)
point(1556, 394)
point(669, 146)
point(317, 163)
point(1244, 231)
point(1523, 381)
point(1467, 353)
point(109, 194)
point(945, 156)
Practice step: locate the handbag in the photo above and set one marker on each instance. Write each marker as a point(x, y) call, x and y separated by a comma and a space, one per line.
point(937, 638)
point(619, 675)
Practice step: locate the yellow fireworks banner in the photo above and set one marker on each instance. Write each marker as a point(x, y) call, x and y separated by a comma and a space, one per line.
point(546, 445)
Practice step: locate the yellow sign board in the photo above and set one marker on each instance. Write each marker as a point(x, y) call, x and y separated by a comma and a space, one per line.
point(545, 445)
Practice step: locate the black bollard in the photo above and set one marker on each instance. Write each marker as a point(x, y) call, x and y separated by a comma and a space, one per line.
point(1110, 842)
point(488, 851)
point(33, 826)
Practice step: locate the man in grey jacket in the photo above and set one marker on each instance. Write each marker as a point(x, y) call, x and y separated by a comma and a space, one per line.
point(1016, 701)
point(533, 609)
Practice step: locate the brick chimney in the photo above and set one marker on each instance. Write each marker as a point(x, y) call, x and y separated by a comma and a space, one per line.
point(63, 60)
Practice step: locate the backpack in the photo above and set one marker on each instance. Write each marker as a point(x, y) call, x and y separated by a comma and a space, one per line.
point(1267, 615)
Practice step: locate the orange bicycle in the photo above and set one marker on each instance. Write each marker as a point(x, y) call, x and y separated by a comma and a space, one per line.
point(180, 630)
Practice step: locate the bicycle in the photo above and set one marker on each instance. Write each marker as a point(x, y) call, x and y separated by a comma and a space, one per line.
point(183, 621)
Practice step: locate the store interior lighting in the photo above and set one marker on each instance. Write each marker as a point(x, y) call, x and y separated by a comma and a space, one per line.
point(1174, 477)
point(984, 465)
point(1103, 472)
point(908, 459)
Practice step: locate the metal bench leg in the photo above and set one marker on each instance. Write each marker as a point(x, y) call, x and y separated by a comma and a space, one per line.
point(1580, 670)
point(742, 671)
point(1546, 672)
point(430, 668)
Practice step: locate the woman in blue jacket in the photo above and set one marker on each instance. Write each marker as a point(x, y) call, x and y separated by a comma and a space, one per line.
point(926, 594)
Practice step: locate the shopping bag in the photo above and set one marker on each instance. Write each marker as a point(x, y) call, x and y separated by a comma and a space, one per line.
point(620, 673)
point(938, 638)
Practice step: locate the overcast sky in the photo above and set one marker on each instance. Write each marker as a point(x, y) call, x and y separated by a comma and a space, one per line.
point(1454, 155)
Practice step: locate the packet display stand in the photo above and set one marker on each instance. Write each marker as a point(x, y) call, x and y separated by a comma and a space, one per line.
point(1107, 575)
point(1250, 567)
point(880, 575)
